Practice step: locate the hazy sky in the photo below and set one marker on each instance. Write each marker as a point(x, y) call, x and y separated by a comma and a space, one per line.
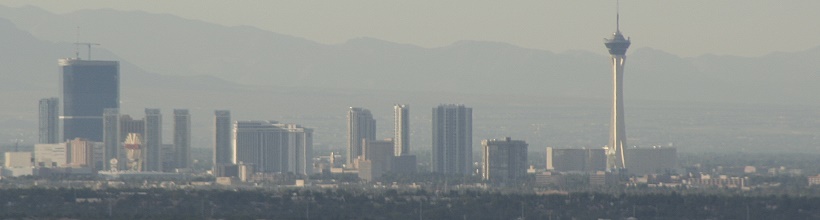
point(686, 28)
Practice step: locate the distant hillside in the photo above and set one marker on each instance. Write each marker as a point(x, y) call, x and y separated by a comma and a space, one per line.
point(171, 45)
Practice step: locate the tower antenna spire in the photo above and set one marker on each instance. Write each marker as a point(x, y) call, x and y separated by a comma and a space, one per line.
point(618, 15)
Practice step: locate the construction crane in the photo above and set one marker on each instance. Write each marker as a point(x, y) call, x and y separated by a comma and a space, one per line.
point(77, 50)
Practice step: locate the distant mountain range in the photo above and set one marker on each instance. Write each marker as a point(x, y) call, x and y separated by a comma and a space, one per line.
point(171, 46)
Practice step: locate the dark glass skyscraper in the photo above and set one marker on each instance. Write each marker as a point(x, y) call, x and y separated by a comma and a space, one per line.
point(223, 141)
point(87, 87)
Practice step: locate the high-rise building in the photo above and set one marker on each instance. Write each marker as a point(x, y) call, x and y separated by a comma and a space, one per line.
point(182, 138)
point(49, 114)
point(129, 125)
point(401, 137)
point(300, 145)
point(576, 160)
point(403, 162)
point(81, 153)
point(360, 126)
point(453, 139)
point(98, 160)
point(273, 147)
point(169, 158)
point(152, 140)
point(504, 160)
point(376, 159)
point(223, 150)
point(87, 88)
point(111, 137)
point(617, 46)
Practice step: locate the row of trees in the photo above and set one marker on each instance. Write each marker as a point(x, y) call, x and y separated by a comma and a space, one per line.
point(391, 204)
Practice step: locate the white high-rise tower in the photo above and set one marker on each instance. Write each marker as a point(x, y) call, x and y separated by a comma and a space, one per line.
point(401, 137)
point(617, 46)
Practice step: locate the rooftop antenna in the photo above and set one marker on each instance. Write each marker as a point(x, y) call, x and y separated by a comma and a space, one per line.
point(78, 43)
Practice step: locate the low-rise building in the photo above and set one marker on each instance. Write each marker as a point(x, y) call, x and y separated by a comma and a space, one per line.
point(814, 180)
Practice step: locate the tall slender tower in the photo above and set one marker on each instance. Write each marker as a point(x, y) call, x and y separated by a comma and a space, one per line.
point(617, 46)
point(401, 138)
point(182, 138)
point(111, 137)
point(223, 149)
point(49, 113)
point(152, 140)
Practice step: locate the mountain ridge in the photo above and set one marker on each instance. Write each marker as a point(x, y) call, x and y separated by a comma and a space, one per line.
point(245, 55)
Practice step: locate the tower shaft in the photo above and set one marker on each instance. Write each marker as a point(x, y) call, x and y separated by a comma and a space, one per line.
point(617, 132)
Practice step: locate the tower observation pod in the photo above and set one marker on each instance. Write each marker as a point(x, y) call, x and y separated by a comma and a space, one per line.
point(617, 46)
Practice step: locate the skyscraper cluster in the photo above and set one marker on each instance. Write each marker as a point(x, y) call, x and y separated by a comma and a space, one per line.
point(88, 110)
point(376, 157)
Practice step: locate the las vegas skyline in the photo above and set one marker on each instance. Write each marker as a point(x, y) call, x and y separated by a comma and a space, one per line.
point(557, 123)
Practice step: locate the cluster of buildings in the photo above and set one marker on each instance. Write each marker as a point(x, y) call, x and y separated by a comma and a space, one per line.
point(372, 157)
point(592, 164)
point(84, 128)
point(638, 161)
point(77, 156)
point(83, 131)
point(452, 147)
